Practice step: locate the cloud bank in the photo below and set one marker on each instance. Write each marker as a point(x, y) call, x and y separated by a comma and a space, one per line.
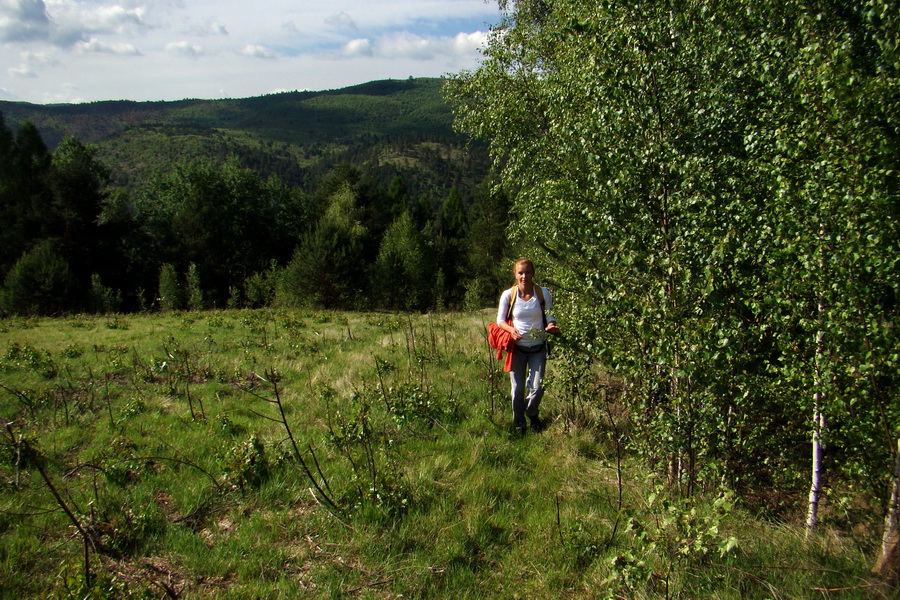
point(86, 50)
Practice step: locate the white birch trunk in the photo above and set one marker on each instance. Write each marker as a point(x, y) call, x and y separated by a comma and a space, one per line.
point(888, 565)
point(815, 489)
point(728, 445)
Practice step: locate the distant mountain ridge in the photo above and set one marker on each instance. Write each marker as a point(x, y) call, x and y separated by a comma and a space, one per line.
point(382, 127)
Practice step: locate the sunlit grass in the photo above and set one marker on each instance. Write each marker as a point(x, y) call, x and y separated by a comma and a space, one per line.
point(161, 433)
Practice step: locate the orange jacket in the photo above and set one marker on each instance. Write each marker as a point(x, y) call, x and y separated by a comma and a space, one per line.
point(501, 340)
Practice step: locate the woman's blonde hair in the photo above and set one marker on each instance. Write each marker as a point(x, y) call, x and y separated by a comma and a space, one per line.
point(523, 261)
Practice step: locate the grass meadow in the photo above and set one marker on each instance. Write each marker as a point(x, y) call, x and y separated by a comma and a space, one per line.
point(272, 454)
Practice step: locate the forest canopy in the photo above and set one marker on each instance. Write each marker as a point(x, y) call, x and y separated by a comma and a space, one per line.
point(72, 241)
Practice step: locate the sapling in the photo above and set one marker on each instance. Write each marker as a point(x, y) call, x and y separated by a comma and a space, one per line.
point(29, 455)
point(272, 378)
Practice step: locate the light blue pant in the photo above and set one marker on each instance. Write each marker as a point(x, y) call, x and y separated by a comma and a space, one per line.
point(527, 371)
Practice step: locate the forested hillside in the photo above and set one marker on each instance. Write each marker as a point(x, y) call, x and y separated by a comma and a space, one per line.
point(298, 198)
point(386, 127)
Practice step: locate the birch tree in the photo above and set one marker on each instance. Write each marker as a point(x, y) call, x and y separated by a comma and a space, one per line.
point(888, 565)
point(712, 187)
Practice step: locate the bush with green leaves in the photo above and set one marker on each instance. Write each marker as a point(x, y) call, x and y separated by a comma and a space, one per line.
point(195, 299)
point(39, 283)
point(401, 276)
point(171, 292)
point(104, 299)
point(246, 465)
point(260, 288)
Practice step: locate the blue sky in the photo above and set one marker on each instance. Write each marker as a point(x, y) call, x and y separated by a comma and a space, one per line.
point(54, 51)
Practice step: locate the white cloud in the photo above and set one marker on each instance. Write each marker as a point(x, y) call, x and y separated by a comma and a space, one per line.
point(209, 28)
point(184, 49)
point(95, 45)
point(256, 51)
point(66, 22)
point(358, 47)
point(21, 71)
point(407, 45)
point(416, 47)
point(39, 59)
point(217, 29)
point(341, 21)
point(470, 43)
point(92, 45)
point(23, 20)
point(112, 19)
point(32, 63)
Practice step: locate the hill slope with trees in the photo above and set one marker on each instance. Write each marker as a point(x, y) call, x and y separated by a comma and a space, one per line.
point(259, 199)
point(386, 127)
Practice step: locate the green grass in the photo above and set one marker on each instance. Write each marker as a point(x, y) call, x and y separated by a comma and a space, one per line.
point(160, 434)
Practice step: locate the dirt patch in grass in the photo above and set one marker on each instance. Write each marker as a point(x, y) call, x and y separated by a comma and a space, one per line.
point(160, 573)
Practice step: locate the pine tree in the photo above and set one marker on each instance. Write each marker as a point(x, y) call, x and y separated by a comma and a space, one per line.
point(328, 267)
point(40, 283)
point(195, 299)
point(402, 268)
point(171, 294)
point(486, 244)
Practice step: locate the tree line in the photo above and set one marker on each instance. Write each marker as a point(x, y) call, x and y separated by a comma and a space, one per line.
point(713, 187)
point(199, 234)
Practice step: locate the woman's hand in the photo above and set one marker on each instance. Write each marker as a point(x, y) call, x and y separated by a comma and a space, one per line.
point(513, 332)
point(552, 328)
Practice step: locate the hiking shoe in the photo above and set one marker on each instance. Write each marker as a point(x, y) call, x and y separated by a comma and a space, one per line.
point(520, 430)
point(536, 425)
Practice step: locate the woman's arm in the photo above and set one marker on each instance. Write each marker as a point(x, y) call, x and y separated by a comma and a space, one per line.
point(502, 311)
point(551, 327)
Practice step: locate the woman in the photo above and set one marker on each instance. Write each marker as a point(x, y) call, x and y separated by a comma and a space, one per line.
point(527, 307)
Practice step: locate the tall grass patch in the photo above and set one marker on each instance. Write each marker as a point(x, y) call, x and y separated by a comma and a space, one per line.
point(282, 454)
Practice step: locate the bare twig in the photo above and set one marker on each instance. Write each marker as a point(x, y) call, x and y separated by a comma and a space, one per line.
point(211, 477)
point(262, 416)
point(21, 396)
point(338, 519)
point(169, 590)
point(318, 468)
point(370, 585)
point(37, 461)
point(272, 378)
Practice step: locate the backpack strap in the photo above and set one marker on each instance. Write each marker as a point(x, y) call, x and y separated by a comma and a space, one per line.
point(514, 293)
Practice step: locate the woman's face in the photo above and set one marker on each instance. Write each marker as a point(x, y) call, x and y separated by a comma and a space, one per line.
point(524, 274)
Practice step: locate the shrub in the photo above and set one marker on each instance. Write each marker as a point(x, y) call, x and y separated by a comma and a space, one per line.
point(259, 288)
point(171, 296)
point(194, 291)
point(40, 283)
point(104, 299)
